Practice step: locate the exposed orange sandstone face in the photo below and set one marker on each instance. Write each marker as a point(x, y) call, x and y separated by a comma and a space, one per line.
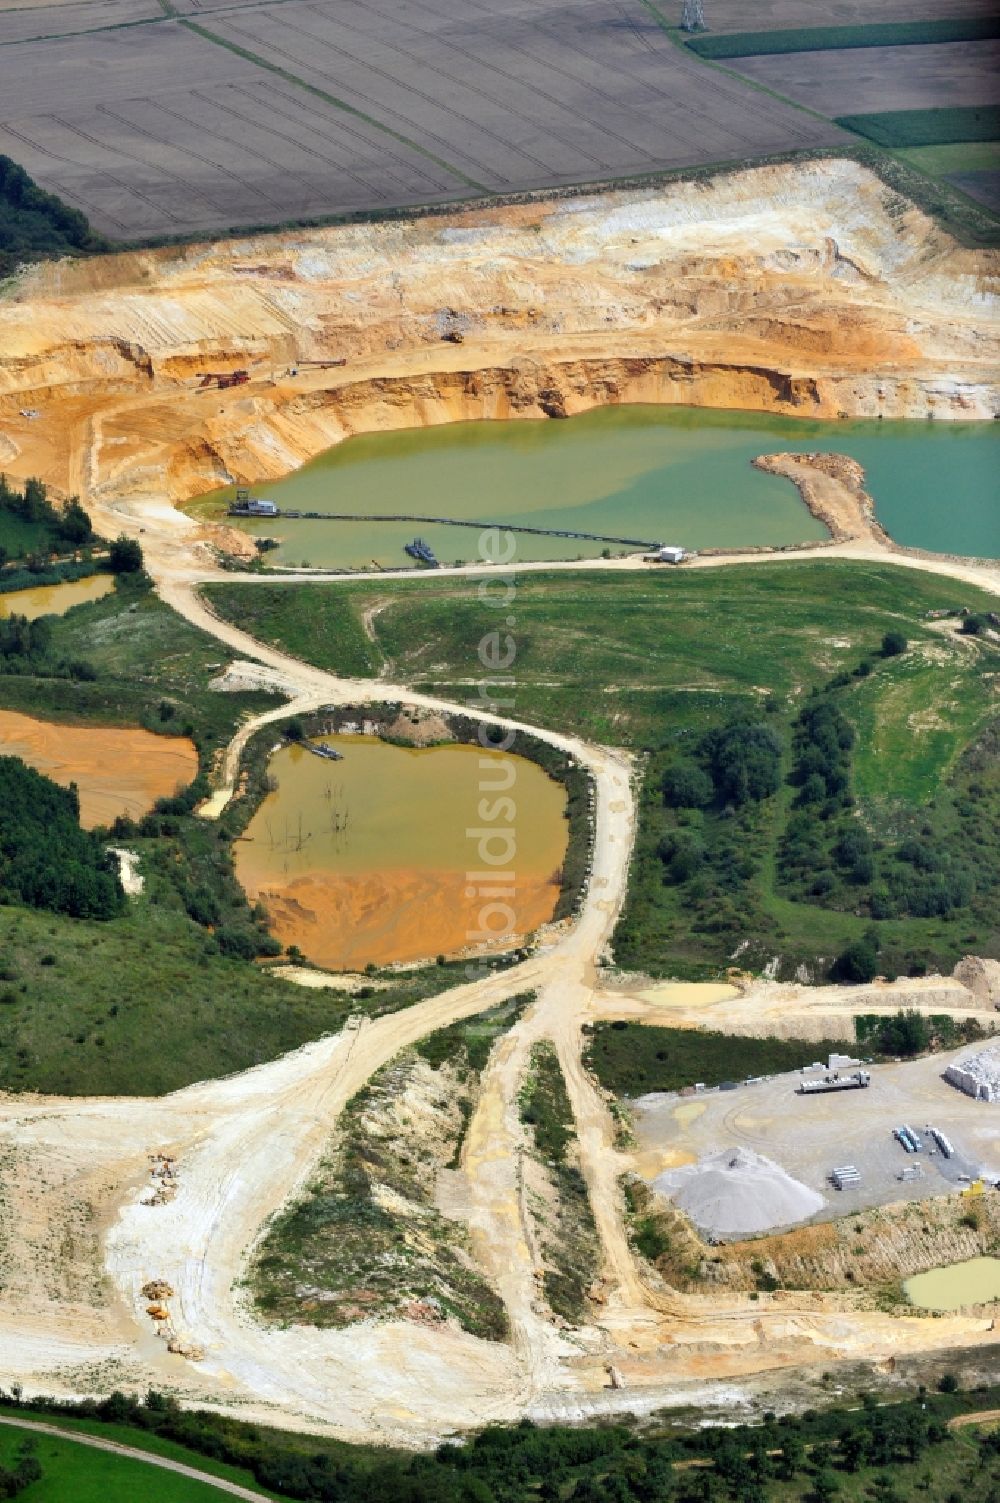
point(116, 771)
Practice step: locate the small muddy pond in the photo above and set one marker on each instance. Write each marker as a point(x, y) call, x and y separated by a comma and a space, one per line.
point(116, 771)
point(56, 599)
point(653, 474)
point(975, 1282)
point(370, 859)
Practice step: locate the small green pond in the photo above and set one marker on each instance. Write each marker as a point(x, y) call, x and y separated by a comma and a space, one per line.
point(653, 474)
point(974, 1282)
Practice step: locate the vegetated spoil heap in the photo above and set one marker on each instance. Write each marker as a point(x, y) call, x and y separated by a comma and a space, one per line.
point(810, 289)
point(977, 1075)
point(738, 1192)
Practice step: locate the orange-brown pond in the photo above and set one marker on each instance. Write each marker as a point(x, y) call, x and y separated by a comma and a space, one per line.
point(116, 771)
point(401, 853)
point(55, 599)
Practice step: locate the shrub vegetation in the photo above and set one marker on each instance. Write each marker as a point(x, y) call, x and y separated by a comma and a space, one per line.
point(35, 225)
point(46, 860)
point(31, 528)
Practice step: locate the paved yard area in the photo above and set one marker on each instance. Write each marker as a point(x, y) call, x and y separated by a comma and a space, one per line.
point(810, 1135)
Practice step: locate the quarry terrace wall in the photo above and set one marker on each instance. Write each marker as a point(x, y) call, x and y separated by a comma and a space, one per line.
point(810, 290)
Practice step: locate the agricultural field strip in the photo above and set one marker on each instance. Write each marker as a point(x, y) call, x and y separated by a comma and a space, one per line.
point(729, 16)
point(931, 129)
point(850, 81)
point(556, 972)
point(531, 99)
point(827, 38)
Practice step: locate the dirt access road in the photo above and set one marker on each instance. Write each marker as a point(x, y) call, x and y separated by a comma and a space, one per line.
point(243, 1146)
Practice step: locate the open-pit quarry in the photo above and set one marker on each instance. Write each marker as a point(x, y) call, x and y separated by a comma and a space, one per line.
point(808, 291)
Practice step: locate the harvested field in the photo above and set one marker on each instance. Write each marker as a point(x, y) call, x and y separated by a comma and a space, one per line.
point(883, 78)
point(984, 187)
point(265, 114)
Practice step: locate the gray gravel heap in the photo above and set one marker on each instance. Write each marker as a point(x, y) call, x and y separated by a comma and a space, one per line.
point(737, 1192)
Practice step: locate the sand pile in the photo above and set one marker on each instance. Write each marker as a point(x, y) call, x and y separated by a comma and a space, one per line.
point(737, 1192)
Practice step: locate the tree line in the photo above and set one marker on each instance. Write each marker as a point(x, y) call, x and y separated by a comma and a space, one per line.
point(821, 1452)
point(35, 225)
point(53, 528)
point(46, 859)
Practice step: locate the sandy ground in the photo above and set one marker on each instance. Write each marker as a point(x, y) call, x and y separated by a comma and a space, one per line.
point(116, 771)
point(128, 870)
point(784, 1009)
point(384, 918)
point(72, 1318)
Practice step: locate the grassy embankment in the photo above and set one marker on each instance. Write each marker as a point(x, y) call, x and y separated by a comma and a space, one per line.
point(366, 1240)
point(834, 38)
point(79, 1473)
point(149, 1002)
point(563, 1217)
point(652, 661)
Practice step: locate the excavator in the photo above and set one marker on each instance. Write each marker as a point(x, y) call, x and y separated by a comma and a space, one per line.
point(222, 379)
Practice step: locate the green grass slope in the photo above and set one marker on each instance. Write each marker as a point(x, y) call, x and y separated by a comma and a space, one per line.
point(653, 660)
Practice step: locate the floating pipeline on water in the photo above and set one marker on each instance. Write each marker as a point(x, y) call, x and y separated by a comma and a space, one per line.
point(329, 516)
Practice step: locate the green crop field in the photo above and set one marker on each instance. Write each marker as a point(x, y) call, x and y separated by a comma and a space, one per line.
point(826, 38)
point(959, 156)
point(926, 127)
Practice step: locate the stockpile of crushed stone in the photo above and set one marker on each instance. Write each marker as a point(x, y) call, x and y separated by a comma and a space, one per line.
point(738, 1192)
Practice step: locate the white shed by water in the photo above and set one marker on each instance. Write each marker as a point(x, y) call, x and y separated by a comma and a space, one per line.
point(670, 554)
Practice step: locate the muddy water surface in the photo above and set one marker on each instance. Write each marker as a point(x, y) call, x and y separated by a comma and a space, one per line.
point(366, 859)
point(56, 599)
point(655, 474)
point(116, 771)
point(974, 1282)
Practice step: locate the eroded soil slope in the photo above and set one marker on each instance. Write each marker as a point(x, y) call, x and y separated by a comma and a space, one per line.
point(811, 290)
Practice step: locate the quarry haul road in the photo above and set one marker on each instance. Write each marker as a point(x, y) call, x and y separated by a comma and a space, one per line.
point(247, 1144)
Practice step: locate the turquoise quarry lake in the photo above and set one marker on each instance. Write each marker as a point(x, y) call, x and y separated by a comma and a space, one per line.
point(663, 474)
